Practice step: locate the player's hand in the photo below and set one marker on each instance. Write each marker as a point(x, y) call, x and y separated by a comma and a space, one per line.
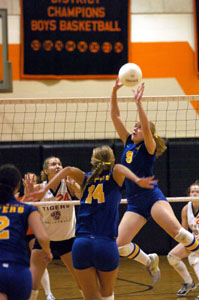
point(147, 182)
point(138, 94)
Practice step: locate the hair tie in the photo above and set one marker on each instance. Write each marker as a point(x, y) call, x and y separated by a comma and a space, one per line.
point(103, 162)
point(156, 136)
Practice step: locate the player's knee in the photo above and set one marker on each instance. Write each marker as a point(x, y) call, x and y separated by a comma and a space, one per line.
point(173, 260)
point(186, 238)
point(193, 259)
point(126, 250)
point(109, 298)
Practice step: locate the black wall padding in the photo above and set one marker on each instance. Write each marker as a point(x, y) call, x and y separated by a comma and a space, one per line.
point(73, 154)
point(183, 165)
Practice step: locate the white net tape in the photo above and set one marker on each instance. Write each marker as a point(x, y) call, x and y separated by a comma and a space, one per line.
point(123, 201)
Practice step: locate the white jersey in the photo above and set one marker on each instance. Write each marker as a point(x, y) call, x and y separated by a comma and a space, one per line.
point(59, 220)
point(193, 221)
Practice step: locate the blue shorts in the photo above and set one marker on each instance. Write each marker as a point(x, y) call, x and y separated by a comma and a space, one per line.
point(142, 203)
point(101, 253)
point(58, 248)
point(15, 281)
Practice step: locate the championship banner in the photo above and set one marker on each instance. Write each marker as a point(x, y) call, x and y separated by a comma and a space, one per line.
point(74, 38)
point(196, 17)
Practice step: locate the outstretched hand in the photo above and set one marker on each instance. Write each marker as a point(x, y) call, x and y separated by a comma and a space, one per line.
point(139, 93)
point(117, 84)
point(28, 183)
point(147, 182)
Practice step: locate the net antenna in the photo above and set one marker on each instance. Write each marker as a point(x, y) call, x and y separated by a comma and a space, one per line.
point(5, 65)
point(89, 118)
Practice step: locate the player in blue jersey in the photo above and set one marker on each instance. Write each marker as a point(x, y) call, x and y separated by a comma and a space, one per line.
point(95, 252)
point(15, 217)
point(141, 147)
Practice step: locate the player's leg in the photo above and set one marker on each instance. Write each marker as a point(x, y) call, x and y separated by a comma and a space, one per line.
point(67, 260)
point(3, 296)
point(37, 266)
point(164, 216)
point(129, 226)
point(194, 263)
point(45, 282)
point(107, 282)
point(89, 283)
point(175, 257)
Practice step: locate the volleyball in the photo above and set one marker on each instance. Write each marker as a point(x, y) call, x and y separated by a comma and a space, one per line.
point(130, 74)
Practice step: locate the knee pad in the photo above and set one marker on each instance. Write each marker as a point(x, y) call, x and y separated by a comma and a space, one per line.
point(187, 239)
point(173, 260)
point(126, 250)
point(193, 259)
point(109, 298)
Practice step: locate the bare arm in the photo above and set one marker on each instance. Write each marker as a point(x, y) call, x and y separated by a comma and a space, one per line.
point(74, 188)
point(120, 172)
point(148, 137)
point(37, 227)
point(72, 172)
point(184, 220)
point(122, 131)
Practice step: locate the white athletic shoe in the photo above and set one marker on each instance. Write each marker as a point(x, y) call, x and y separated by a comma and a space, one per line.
point(50, 297)
point(153, 268)
point(186, 288)
point(197, 298)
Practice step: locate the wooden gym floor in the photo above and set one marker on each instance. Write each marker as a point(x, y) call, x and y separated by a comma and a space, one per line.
point(133, 283)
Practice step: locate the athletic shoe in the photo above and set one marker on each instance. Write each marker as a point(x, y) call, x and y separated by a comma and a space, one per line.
point(153, 268)
point(186, 288)
point(50, 297)
point(197, 298)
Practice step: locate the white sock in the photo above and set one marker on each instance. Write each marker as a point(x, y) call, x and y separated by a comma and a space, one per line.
point(143, 258)
point(45, 281)
point(81, 292)
point(109, 298)
point(183, 272)
point(196, 269)
point(34, 295)
point(133, 251)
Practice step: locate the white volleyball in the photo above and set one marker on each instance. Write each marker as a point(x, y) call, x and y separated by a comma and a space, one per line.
point(130, 74)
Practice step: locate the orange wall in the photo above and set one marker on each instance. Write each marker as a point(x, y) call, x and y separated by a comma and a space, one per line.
point(157, 60)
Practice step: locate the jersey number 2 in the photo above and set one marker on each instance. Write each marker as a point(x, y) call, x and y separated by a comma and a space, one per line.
point(4, 222)
point(95, 193)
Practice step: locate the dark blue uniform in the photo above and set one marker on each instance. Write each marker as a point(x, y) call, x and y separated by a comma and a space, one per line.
point(15, 276)
point(97, 225)
point(138, 160)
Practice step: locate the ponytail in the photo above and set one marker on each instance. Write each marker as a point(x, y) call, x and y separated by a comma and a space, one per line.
point(160, 144)
point(102, 160)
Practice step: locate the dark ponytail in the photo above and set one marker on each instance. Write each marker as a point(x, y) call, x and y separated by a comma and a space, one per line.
point(10, 177)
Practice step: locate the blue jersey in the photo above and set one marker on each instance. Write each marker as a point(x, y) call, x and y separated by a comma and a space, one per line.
point(136, 158)
point(13, 228)
point(98, 212)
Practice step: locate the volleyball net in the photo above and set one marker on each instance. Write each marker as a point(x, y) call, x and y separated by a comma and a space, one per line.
point(89, 118)
point(82, 119)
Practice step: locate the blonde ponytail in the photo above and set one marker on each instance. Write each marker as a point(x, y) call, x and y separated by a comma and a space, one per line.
point(160, 144)
point(102, 160)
